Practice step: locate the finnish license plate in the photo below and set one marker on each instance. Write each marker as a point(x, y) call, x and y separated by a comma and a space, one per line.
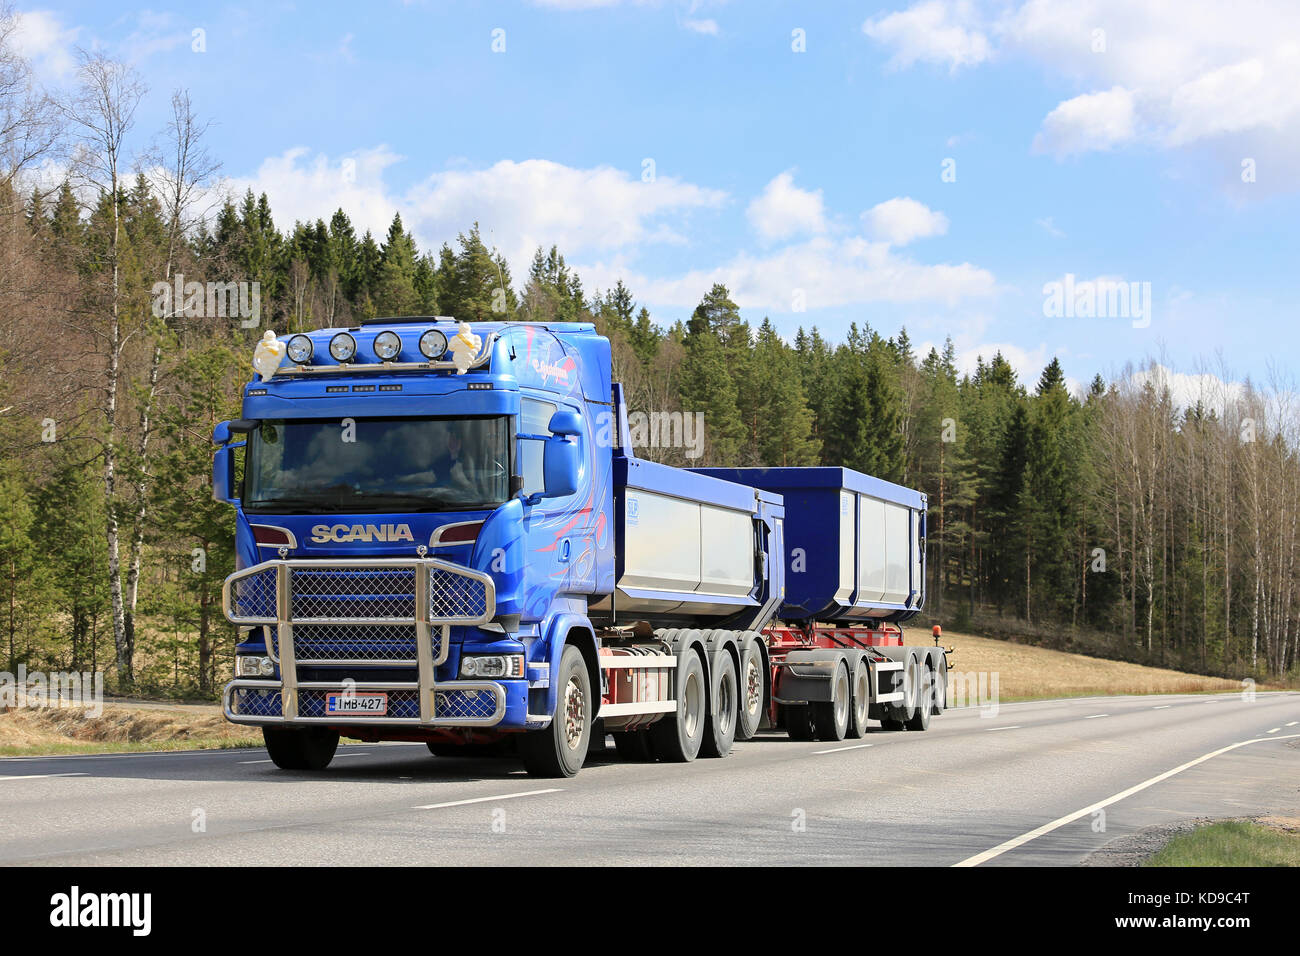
point(370, 705)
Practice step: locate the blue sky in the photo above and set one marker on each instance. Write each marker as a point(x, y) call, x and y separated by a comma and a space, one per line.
point(811, 182)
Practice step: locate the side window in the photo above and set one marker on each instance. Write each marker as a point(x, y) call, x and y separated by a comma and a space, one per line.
point(534, 417)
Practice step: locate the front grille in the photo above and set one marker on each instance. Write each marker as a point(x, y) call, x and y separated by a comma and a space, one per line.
point(474, 704)
point(316, 643)
point(453, 596)
point(256, 703)
point(252, 598)
point(340, 593)
point(452, 705)
point(401, 704)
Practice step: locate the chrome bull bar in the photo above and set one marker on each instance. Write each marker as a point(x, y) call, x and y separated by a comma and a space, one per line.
point(352, 597)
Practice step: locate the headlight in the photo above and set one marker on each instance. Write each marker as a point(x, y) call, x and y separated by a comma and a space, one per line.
point(492, 665)
point(300, 349)
point(433, 344)
point(251, 665)
point(387, 346)
point(343, 347)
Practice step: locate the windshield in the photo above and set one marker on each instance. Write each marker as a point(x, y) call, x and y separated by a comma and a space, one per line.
point(370, 465)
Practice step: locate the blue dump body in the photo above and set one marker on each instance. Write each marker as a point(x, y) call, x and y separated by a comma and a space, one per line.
point(347, 497)
point(854, 545)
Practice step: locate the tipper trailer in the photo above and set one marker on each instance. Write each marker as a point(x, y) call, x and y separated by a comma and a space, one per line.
point(444, 534)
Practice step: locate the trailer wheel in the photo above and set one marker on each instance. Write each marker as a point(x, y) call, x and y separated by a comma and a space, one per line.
point(559, 750)
point(941, 685)
point(634, 746)
point(301, 748)
point(922, 696)
point(752, 686)
point(832, 717)
point(799, 722)
point(720, 728)
point(861, 700)
point(677, 737)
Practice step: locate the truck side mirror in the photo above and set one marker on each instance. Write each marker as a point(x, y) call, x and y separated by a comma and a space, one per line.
point(559, 467)
point(565, 422)
point(224, 431)
point(223, 474)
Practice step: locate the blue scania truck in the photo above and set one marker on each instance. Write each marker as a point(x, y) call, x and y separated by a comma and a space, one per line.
point(444, 534)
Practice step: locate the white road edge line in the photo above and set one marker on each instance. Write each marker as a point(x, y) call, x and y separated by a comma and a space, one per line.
point(840, 750)
point(504, 796)
point(1162, 707)
point(996, 729)
point(1024, 838)
point(1095, 716)
point(41, 776)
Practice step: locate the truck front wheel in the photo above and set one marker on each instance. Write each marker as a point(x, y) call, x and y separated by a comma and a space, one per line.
point(301, 748)
point(559, 750)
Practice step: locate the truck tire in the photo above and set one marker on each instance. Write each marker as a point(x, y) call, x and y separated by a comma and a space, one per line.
point(301, 748)
point(861, 699)
point(799, 722)
point(940, 684)
point(752, 687)
point(634, 746)
point(677, 737)
point(559, 750)
point(922, 696)
point(724, 707)
point(831, 717)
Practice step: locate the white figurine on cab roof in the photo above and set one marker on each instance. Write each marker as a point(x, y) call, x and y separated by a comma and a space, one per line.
point(464, 348)
point(268, 355)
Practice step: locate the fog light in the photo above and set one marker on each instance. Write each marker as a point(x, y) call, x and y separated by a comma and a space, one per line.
point(433, 344)
point(300, 349)
point(387, 346)
point(492, 665)
point(343, 347)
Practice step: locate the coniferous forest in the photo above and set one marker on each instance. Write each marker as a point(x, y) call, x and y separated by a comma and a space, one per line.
point(1112, 518)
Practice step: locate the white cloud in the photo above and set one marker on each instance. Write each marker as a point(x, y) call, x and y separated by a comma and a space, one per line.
point(708, 27)
point(41, 38)
point(934, 31)
point(1150, 71)
point(819, 273)
point(1088, 122)
point(784, 210)
point(519, 205)
point(899, 221)
point(1186, 389)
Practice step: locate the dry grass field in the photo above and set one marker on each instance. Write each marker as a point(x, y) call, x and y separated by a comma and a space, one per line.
point(121, 727)
point(1026, 672)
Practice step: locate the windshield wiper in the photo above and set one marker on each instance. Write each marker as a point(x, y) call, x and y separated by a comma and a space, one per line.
point(308, 505)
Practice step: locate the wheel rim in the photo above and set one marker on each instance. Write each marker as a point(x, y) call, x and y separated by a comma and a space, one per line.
point(575, 713)
point(753, 687)
point(912, 689)
point(692, 704)
point(842, 698)
point(861, 696)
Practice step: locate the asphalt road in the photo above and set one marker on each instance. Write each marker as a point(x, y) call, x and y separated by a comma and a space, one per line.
point(1045, 782)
